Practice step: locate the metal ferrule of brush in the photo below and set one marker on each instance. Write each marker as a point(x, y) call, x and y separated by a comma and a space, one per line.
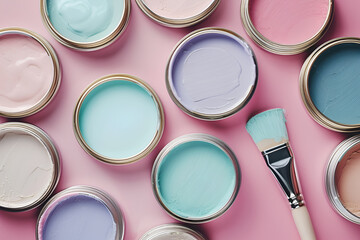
point(281, 162)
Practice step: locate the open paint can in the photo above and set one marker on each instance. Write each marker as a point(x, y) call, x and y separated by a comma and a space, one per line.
point(343, 178)
point(80, 212)
point(85, 25)
point(118, 119)
point(286, 27)
point(29, 73)
point(196, 178)
point(329, 80)
point(211, 74)
point(178, 14)
point(172, 232)
point(30, 166)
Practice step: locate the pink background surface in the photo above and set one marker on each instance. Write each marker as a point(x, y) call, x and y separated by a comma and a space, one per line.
point(260, 210)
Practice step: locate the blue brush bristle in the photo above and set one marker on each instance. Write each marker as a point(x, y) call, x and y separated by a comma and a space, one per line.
point(268, 125)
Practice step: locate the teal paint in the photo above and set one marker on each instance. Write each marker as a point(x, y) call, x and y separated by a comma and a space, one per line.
point(119, 119)
point(268, 125)
point(196, 179)
point(85, 21)
point(334, 83)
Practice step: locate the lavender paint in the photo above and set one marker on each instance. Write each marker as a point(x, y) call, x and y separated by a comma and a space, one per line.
point(212, 72)
point(78, 217)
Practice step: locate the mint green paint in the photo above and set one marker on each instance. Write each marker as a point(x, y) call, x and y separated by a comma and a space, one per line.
point(119, 119)
point(334, 83)
point(196, 179)
point(268, 125)
point(85, 20)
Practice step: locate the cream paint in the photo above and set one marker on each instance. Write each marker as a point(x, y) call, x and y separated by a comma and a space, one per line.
point(178, 9)
point(26, 73)
point(26, 169)
point(288, 21)
point(348, 182)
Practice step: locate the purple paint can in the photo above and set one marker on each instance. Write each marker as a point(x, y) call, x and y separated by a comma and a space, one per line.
point(211, 74)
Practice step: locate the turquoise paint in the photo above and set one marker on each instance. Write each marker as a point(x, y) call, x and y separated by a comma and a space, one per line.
point(268, 125)
point(85, 20)
point(119, 119)
point(196, 179)
point(334, 83)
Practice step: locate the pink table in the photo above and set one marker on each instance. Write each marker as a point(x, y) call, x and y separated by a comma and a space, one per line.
point(260, 210)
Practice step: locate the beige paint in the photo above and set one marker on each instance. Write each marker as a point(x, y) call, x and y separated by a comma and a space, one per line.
point(348, 181)
point(26, 169)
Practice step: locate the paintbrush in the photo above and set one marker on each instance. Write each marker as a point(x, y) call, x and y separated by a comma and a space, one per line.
point(268, 130)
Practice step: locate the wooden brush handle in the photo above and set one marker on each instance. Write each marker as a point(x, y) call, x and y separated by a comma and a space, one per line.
point(303, 223)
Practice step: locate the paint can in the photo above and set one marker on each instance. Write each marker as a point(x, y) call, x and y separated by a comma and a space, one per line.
point(211, 74)
point(118, 119)
point(196, 178)
point(30, 167)
point(30, 73)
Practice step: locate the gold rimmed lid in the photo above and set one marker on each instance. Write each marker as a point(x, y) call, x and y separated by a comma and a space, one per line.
point(44, 139)
point(178, 23)
point(160, 119)
point(86, 46)
point(56, 75)
point(315, 113)
point(245, 97)
point(277, 48)
point(88, 192)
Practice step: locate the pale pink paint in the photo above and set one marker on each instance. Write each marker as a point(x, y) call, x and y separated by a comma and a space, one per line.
point(348, 181)
point(260, 210)
point(288, 21)
point(26, 73)
point(178, 9)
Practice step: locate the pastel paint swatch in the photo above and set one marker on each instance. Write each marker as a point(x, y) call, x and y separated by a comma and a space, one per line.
point(119, 119)
point(212, 72)
point(26, 73)
point(196, 179)
point(78, 217)
point(26, 169)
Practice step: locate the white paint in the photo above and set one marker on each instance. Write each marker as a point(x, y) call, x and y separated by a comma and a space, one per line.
point(26, 169)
